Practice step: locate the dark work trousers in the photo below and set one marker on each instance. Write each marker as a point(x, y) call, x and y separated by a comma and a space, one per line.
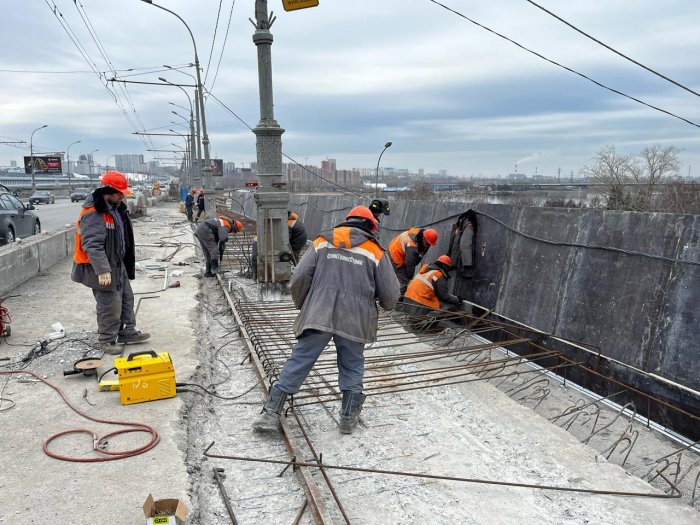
point(188, 210)
point(115, 310)
point(350, 358)
point(211, 254)
point(403, 278)
point(199, 212)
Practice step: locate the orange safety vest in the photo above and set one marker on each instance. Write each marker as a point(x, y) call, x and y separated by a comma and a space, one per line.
point(80, 256)
point(341, 239)
point(397, 247)
point(421, 289)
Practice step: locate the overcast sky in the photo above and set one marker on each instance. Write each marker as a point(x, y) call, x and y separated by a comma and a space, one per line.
point(351, 74)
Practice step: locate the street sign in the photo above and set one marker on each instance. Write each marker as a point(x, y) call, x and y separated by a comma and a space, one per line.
point(293, 5)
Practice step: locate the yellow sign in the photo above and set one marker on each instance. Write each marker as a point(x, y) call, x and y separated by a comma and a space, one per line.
point(293, 5)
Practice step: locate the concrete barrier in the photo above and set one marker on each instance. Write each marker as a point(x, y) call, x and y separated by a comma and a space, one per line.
point(20, 262)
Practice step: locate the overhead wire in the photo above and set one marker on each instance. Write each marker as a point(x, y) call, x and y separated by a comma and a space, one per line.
point(610, 48)
point(341, 188)
point(586, 77)
point(213, 41)
point(223, 47)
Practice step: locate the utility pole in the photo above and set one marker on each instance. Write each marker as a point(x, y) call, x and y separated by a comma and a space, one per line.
point(272, 197)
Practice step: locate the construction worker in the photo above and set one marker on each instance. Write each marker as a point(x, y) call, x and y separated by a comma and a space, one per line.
point(427, 294)
point(379, 207)
point(189, 204)
point(297, 234)
point(200, 205)
point(407, 250)
point(335, 286)
point(211, 234)
point(105, 261)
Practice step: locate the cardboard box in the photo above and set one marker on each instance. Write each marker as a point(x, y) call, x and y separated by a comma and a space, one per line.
point(164, 511)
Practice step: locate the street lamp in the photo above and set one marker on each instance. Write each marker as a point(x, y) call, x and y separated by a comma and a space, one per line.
point(90, 164)
point(31, 153)
point(376, 186)
point(191, 123)
point(208, 183)
point(107, 162)
point(68, 159)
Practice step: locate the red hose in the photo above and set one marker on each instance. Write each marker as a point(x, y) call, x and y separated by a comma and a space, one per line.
point(97, 441)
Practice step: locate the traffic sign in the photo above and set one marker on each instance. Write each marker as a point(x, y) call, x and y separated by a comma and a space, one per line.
point(293, 5)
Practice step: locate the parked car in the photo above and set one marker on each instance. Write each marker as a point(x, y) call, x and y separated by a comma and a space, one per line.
point(16, 219)
point(41, 196)
point(79, 194)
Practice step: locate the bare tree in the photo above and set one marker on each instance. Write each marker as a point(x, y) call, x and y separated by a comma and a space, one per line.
point(629, 181)
point(680, 197)
point(654, 163)
point(613, 171)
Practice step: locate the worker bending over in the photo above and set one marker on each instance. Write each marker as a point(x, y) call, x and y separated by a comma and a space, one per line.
point(297, 235)
point(379, 207)
point(335, 286)
point(211, 234)
point(427, 294)
point(407, 250)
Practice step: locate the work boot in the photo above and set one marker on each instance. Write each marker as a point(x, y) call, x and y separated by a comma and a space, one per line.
point(112, 348)
point(135, 338)
point(350, 411)
point(270, 417)
point(208, 274)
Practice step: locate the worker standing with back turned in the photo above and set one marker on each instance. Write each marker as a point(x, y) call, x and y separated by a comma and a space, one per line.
point(336, 285)
point(407, 250)
point(105, 261)
point(297, 234)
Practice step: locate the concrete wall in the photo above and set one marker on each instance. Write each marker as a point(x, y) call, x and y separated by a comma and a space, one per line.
point(22, 261)
point(642, 311)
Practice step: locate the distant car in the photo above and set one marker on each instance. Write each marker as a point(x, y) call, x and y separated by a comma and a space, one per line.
point(42, 197)
point(16, 219)
point(79, 194)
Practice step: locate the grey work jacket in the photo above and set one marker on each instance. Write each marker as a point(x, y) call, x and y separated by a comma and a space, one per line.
point(338, 281)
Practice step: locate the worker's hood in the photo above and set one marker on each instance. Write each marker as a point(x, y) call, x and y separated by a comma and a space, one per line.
point(348, 236)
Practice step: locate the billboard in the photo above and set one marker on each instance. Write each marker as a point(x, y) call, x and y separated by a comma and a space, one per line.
point(43, 164)
point(217, 167)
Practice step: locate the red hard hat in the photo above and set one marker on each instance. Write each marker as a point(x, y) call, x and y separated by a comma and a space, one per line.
point(430, 236)
point(115, 180)
point(363, 212)
point(239, 225)
point(444, 259)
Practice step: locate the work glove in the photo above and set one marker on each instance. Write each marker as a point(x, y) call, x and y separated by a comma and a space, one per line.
point(104, 279)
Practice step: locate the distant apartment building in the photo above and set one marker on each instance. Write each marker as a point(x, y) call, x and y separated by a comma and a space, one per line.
point(129, 163)
point(85, 165)
point(442, 173)
point(312, 177)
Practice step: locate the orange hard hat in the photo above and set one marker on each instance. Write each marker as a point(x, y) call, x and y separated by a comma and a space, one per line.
point(430, 236)
point(115, 180)
point(363, 212)
point(445, 259)
point(239, 226)
point(193, 190)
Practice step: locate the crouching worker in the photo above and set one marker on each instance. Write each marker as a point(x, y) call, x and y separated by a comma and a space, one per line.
point(335, 286)
point(407, 251)
point(427, 297)
point(211, 234)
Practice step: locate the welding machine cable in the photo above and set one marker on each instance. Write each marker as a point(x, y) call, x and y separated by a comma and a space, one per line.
point(98, 443)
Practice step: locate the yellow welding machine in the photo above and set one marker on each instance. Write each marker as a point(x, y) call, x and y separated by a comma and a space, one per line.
point(145, 376)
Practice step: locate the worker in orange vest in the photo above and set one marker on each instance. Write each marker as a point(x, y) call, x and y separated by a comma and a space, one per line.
point(212, 235)
point(407, 250)
point(427, 294)
point(105, 261)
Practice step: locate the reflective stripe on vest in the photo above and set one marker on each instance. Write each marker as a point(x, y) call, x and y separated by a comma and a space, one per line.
point(80, 256)
point(421, 289)
point(397, 247)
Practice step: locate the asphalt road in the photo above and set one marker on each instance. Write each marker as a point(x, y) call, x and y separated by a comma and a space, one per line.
point(55, 216)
